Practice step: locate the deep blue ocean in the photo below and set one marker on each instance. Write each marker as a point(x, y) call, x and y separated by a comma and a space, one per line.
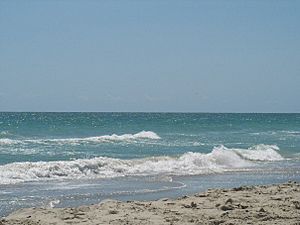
point(69, 159)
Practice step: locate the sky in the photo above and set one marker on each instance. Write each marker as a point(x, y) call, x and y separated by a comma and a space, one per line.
point(150, 56)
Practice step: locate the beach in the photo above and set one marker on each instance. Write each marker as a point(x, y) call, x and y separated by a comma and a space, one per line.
point(264, 204)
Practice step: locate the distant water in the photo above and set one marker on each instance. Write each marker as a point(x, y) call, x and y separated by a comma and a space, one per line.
point(66, 159)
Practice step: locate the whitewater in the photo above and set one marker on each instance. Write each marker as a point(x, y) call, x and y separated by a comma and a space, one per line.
point(103, 138)
point(219, 160)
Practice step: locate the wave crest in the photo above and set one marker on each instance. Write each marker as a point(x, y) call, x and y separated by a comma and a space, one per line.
point(219, 160)
point(260, 153)
point(97, 139)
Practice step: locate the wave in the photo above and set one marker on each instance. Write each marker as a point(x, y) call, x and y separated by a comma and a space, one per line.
point(292, 133)
point(220, 159)
point(3, 133)
point(7, 141)
point(259, 152)
point(286, 133)
point(97, 139)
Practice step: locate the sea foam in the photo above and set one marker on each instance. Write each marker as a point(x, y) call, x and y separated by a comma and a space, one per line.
point(220, 159)
point(259, 152)
point(104, 138)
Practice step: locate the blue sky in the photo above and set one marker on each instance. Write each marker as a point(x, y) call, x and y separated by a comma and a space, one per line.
point(183, 56)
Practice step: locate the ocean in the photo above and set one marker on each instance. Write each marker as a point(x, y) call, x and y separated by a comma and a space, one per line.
point(70, 159)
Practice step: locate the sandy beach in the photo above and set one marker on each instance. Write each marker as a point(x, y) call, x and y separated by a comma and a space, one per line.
point(272, 204)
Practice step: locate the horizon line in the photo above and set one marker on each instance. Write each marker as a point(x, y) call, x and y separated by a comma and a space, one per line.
point(179, 112)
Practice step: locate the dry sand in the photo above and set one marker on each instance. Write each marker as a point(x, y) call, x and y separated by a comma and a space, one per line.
point(274, 204)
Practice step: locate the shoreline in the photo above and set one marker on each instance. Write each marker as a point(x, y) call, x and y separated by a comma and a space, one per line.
point(263, 204)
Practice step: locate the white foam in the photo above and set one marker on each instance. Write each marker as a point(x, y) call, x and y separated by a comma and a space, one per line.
point(7, 141)
point(261, 153)
point(75, 141)
point(219, 160)
point(125, 137)
point(52, 203)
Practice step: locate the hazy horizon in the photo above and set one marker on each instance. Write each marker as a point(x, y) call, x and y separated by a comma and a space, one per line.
point(150, 56)
point(167, 112)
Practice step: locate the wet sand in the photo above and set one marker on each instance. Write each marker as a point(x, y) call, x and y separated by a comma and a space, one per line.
point(272, 204)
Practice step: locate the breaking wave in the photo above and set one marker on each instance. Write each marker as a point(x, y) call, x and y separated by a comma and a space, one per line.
point(220, 159)
point(258, 153)
point(97, 139)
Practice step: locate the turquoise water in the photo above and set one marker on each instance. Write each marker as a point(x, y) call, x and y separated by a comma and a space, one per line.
point(46, 157)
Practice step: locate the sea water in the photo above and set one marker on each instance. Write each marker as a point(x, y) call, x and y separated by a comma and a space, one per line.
point(70, 159)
